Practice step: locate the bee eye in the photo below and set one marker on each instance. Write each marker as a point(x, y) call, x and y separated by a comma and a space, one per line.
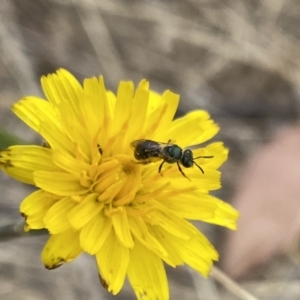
point(187, 162)
point(187, 159)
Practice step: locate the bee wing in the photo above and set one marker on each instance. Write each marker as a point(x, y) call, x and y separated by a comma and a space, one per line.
point(163, 145)
point(136, 142)
point(150, 143)
point(192, 147)
point(196, 146)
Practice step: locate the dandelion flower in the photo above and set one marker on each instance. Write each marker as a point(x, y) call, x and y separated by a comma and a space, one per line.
point(94, 197)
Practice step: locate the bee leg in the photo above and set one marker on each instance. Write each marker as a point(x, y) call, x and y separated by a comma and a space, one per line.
point(160, 167)
point(179, 168)
point(207, 156)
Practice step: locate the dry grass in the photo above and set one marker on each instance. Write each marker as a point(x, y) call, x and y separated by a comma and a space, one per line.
point(239, 59)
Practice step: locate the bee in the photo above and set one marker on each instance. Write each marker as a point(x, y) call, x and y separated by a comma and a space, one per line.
point(147, 151)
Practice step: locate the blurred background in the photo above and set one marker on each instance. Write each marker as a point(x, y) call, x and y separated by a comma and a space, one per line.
point(240, 60)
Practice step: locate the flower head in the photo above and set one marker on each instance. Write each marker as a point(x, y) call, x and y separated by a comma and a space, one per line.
point(94, 196)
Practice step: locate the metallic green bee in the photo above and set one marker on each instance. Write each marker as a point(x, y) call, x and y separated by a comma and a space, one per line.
point(146, 151)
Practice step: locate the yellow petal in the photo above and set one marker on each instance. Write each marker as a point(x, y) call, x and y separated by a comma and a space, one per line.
point(94, 233)
point(194, 206)
point(113, 260)
point(33, 111)
point(217, 150)
point(69, 163)
point(171, 223)
point(194, 128)
point(198, 252)
point(161, 236)
point(139, 111)
point(154, 98)
point(60, 249)
point(59, 183)
point(21, 161)
point(41, 116)
point(133, 126)
point(85, 211)
point(121, 227)
point(34, 222)
point(92, 107)
point(123, 104)
point(109, 103)
point(161, 116)
point(147, 274)
point(62, 86)
point(56, 138)
point(141, 233)
point(224, 214)
point(171, 101)
point(55, 220)
point(34, 207)
point(73, 129)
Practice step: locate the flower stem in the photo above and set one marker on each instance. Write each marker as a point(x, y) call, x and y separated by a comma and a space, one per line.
point(231, 285)
point(16, 230)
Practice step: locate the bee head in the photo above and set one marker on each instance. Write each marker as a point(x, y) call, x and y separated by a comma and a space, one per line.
point(187, 158)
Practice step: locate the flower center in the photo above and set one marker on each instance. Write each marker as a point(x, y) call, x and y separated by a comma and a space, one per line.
point(117, 180)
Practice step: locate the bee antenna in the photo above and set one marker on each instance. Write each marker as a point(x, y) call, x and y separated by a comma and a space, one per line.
point(198, 167)
point(211, 156)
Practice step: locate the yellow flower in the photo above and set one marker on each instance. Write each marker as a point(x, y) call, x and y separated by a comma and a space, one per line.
point(92, 194)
